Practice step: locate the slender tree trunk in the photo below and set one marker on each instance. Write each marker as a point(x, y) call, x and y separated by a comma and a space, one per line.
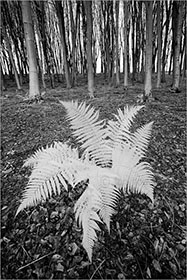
point(113, 47)
point(154, 44)
point(125, 3)
point(168, 10)
point(73, 34)
point(137, 52)
point(133, 45)
point(184, 61)
point(117, 43)
point(84, 31)
point(108, 41)
point(34, 89)
point(3, 85)
point(88, 9)
point(148, 63)
point(60, 15)
point(159, 45)
point(12, 61)
point(142, 43)
point(178, 14)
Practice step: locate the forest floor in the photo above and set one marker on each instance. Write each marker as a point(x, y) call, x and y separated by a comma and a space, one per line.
point(146, 241)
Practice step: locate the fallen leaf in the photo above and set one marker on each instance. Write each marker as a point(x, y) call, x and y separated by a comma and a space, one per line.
point(59, 267)
point(157, 266)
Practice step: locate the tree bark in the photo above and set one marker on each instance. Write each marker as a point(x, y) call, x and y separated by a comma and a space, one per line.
point(117, 43)
point(133, 43)
point(178, 14)
point(60, 15)
point(159, 46)
point(34, 89)
point(73, 32)
point(88, 9)
point(148, 58)
point(168, 10)
point(12, 60)
point(125, 44)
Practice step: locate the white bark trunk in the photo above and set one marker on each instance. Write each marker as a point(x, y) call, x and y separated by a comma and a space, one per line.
point(159, 46)
point(125, 45)
point(176, 59)
point(34, 89)
point(148, 59)
point(88, 9)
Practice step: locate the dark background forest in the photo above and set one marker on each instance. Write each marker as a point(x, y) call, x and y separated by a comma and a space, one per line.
point(109, 54)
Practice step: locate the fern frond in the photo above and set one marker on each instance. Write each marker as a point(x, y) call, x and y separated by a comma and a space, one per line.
point(97, 204)
point(57, 151)
point(52, 167)
point(89, 131)
point(86, 213)
point(141, 180)
point(105, 182)
point(140, 139)
point(133, 174)
point(119, 131)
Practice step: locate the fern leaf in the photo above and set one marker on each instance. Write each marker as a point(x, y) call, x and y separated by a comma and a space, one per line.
point(141, 180)
point(52, 167)
point(140, 139)
point(96, 205)
point(133, 174)
point(86, 213)
point(119, 131)
point(105, 182)
point(89, 131)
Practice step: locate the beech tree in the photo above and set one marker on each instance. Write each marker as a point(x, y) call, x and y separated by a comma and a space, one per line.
point(159, 45)
point(177, 17)
point(34, 89)
point(125, 3)
point(168, 7)
point(8, 45)
point(88, 9)
point(60, 15)
point(117, 43)
point(148, 58)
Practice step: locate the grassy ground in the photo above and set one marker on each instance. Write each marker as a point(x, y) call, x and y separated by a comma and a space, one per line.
point(44, 243)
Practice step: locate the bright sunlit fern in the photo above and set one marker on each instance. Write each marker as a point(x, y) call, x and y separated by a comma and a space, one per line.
point(112, 159)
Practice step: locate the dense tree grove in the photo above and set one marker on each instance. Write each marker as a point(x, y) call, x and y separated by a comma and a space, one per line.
point(49, 39)
point(88, 191)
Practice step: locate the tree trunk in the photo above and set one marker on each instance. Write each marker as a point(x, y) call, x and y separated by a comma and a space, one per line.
point(159, 46)
point(125, 45)
point(184, 61)
point(148, 59)
point(60, 15)
point(73, 32)
point(133, 45)
point(117, 43)
point(88, 9)
point(112, 42)
point(168, 10)
point(137, 49)
point(12, 60)
point(178, 14)
point(142, 43)
point(3, 84)
point(34, 89)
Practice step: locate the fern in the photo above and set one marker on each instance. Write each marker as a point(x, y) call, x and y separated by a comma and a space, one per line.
point(112, 159)
point(89, 131)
